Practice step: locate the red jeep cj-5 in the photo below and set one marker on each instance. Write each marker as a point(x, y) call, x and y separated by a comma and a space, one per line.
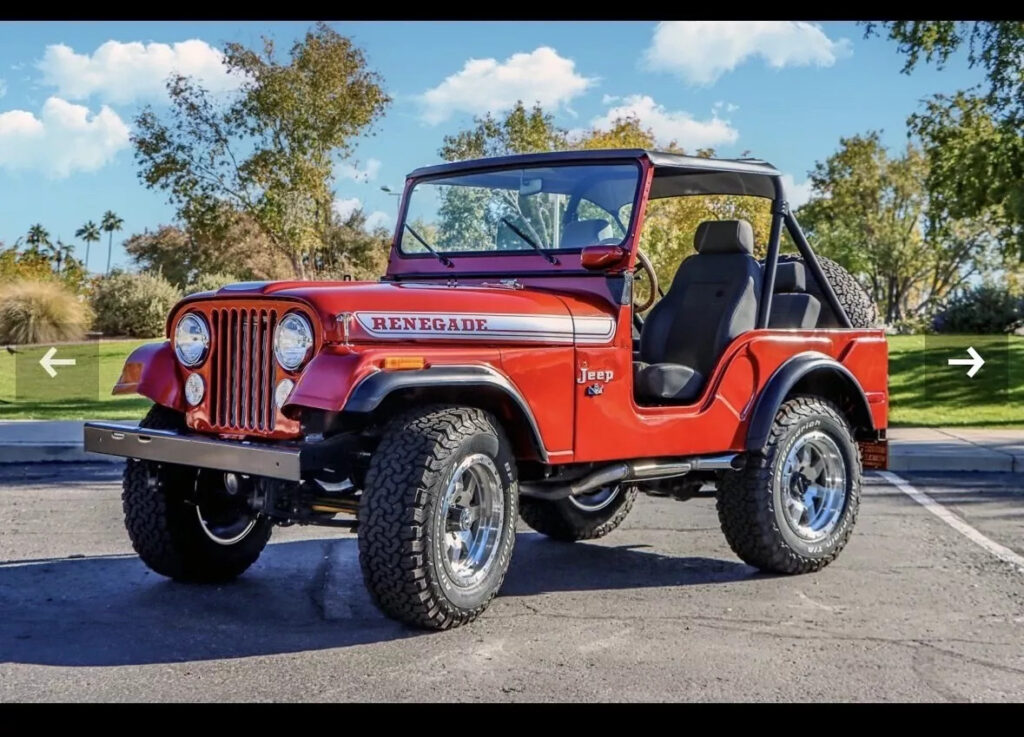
point(504, 368)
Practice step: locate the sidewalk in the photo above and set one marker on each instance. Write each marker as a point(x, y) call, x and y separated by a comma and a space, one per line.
point(956, 449)
point(910, 448)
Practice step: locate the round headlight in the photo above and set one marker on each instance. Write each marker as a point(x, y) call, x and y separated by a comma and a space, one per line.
point(293, 341)
point(194, 389)
point(191, 339)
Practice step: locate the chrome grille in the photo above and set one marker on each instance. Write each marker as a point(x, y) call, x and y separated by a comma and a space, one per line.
point(242, 373)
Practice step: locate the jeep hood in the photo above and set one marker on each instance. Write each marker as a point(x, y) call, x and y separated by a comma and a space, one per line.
point(387, 311)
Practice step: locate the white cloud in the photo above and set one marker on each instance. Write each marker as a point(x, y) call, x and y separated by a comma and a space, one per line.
point(65, 138)
point(343, 208)
point(669, 125)
point(488, 86)
point(353, 172)
point(125, 72)
point(378, 219)
point(797, 193)
point(702, 51)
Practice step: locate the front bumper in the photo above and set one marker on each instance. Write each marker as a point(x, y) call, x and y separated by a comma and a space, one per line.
point(288, 461)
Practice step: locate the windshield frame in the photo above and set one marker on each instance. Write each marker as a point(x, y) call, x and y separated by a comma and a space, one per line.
point(456, 256)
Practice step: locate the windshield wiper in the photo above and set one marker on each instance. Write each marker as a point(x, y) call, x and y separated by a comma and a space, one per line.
point(440, 256)
point(532, 243)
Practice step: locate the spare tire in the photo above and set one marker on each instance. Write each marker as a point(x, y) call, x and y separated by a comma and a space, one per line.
point(859, 306)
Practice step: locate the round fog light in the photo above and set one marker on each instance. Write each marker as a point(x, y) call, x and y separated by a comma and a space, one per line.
point(284, 388)
point(194, 389)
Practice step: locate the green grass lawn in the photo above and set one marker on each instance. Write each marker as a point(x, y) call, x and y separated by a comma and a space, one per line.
point(917, 396)
point(102, 406)
point(924, 393)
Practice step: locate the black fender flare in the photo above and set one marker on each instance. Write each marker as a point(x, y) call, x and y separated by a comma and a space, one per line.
point(798, 368)
point(369, 393)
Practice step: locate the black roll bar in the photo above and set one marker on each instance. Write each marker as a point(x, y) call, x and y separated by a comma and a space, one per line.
point(781, 213)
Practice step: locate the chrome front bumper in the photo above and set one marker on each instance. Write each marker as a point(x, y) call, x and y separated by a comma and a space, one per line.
point(255, 459)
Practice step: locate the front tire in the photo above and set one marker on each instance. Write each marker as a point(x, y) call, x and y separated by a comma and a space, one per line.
point(793, 508)
point(587, 517)
point(437, 516)
point(174, 535)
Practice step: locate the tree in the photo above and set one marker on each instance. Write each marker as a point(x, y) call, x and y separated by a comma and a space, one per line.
point(269, 150)
point(90, 233)
point(352, 251)
point(182, 256)
point(60, 253)
point(38, 239)
point(973, 139)
point(871, 214)
point(520, 131)
point(110, 223)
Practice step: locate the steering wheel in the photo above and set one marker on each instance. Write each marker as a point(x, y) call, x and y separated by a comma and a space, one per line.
point(645, 263)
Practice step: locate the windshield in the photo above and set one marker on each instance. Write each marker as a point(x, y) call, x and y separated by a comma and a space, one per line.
point(543, 208)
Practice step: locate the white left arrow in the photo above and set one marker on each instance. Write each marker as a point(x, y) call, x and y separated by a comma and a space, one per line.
point(48, 362)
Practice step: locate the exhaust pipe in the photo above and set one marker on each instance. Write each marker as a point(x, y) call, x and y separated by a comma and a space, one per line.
point(644, 470)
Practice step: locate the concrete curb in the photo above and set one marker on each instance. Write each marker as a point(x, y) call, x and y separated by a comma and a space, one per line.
point(50, 441)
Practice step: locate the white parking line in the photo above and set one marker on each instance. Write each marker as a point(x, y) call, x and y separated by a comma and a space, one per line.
point(1000, 551)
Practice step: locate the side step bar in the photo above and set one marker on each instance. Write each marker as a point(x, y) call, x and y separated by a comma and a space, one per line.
point(647, 469)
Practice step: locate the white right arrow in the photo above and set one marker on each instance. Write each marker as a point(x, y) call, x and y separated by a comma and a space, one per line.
point(975, 362)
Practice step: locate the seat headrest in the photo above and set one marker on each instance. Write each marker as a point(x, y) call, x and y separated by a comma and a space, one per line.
point(585, 233)
point(790, 276)
point(724, 236)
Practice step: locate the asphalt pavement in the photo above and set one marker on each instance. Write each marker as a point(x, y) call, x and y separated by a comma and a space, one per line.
point(915, 609)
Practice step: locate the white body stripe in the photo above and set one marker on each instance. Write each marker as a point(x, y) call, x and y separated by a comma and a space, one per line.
point(505, 327)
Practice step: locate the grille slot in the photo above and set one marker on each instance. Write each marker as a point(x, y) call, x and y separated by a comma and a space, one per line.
point(241, 375)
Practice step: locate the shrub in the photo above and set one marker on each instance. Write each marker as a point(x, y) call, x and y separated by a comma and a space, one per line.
point(134, 305)
point(915, 325)
point(984, 309)
point(41, 312)
point(209, 282)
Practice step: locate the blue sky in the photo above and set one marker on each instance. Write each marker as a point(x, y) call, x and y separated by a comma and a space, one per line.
point(779, 90)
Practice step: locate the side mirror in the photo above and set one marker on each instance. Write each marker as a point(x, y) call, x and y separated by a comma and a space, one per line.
point(599, 258)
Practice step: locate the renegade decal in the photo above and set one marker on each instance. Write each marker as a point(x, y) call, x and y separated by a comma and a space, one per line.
point(504, 327)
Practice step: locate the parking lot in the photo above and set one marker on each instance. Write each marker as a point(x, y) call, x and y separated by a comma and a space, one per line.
point(659, 610)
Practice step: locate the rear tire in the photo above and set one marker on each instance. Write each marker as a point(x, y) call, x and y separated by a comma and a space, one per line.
point(570, 520)
point(437, 516)
point(166, 527)
point(793, 508)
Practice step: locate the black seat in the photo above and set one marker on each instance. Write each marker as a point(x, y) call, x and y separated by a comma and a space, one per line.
point(713, 298)
point(792, 307)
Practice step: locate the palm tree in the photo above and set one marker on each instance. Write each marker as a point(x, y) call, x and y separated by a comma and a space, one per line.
point(109, 224)
point(38, 238)
point(90, 233)
point(60, 253)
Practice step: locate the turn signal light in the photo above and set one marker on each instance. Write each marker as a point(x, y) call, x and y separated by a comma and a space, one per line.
point(398, 363)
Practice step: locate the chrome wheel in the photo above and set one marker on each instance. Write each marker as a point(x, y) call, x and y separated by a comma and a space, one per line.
point(813, 486)
point(472, 512)
point(226, 529)
point(596, 501)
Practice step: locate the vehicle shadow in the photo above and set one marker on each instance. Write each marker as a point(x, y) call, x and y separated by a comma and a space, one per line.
point(103, 611)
